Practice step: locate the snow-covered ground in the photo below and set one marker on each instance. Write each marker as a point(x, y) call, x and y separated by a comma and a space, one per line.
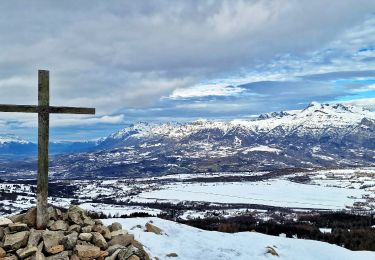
point(192, 243)
point(336, 189)
point(281, 193)
point(118, 210)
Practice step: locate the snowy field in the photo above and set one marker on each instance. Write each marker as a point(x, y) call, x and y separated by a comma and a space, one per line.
point(348, 189)
point(118, 210)
point(280, 193)
point(192, 243)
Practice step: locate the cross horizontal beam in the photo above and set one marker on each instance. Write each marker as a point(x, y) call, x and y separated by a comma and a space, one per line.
point(50, 109)
point(71, 110)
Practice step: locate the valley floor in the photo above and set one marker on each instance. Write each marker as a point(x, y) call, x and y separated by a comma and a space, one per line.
point(331, 205)
point(192, 243)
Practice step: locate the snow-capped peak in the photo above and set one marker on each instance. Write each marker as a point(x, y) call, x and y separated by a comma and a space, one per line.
point(315, 118)
point(7, 138)
point(275, 114)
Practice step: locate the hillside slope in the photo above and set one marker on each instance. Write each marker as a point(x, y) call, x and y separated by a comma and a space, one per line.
point(192, 243)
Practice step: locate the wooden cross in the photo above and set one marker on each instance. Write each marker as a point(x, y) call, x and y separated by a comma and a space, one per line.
point(44, 109)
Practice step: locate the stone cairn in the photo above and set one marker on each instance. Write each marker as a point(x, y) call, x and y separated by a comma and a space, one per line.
point(70, 234)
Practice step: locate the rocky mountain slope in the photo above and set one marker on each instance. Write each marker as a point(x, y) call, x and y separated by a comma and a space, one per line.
point(321, 123)
point(321, 135)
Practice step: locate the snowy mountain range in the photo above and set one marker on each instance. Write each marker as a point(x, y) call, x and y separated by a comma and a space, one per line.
point(322, 122)
point(12, 146)
point(321, 135)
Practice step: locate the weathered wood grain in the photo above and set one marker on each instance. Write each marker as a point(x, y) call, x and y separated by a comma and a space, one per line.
point(43, 139)
point(72, 110)
point(19, 108)
point(50, 109)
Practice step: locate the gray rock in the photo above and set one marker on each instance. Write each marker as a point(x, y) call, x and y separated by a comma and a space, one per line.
point(17, 218)
point(59, 214)
point(74, 257)
point(10, 257)
point(106, 233)
point(98, 222)
point(69, 241)
point(1, 233)
point(152, 228)
point(40, 246)
point(6, 231)
point(87, 229)
point(98, 228)
point(85, 243)
point(17, 240)
point(59, 225)
point(5, 222)
point(75, 227)
point(64, 216)
point(115, 227)
point(50, 223)
point(123, 240)
point(52, 213)
point(60, 256)
point(30, 217)
point(85, 236)
point(88, 221)
point(114, 248)
point(18, 227)
point(133, 257)
point(118, 232)
point(52, 239)
point(99, 240)
point(27, 251)
point(114, 255)
point(86, 251)
point(76, 214)
point(34, 237)
point(126, 253)
point(37, 256)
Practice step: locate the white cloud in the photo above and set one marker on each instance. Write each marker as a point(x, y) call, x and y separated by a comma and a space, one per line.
point(368, 103)
point(364, 88)
point(99, 53)
point(205, 90)
point(127, 55)
point(57, 121)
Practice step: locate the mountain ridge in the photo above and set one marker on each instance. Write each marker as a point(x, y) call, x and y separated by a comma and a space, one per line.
point(315, 116)
point(321, 135)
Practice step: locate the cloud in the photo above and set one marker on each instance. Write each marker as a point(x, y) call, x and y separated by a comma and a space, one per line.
point(368, 88)
point(340, 75)
point(368, 103)
point(62, 121)
point(205, 90)
point(127, 56)
point(99, 53)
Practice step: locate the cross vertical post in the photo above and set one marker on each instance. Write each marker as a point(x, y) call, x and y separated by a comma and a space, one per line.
point(44, 109)
point(43, 139)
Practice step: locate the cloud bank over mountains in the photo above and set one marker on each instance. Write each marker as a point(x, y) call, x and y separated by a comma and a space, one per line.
point(164, 60)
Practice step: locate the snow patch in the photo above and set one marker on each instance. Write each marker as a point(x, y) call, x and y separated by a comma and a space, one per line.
point(192, 243)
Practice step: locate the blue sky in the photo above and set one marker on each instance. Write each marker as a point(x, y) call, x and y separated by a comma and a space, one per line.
point(182, 60)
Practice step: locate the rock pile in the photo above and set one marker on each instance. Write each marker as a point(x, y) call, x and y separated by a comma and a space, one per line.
point(70, 234)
